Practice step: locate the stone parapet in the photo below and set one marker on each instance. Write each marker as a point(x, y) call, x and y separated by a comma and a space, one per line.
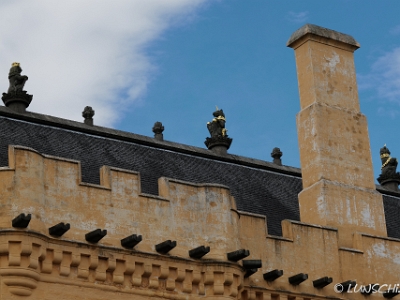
point(50, 189)
point(33, 263)
point(315, 251)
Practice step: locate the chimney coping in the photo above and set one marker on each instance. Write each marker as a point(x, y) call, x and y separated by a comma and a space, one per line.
point(322, 32)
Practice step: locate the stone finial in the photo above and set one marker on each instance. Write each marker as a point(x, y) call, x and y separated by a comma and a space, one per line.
point(88, 114)
point(219, 142)
point(16, 98)
point(276, 155)
point(388, 178)
point(158, 129)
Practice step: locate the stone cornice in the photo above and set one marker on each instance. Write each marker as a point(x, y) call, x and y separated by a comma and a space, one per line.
point(30, 258)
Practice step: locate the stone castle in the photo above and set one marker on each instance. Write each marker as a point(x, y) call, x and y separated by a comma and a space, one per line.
point(94, 213)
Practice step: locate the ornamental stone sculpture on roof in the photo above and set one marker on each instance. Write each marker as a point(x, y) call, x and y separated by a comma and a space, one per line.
point(16, 98)
point(219, 142)
point(217, 126)
point(388, 178)
point(17, 81)
point(158, 129)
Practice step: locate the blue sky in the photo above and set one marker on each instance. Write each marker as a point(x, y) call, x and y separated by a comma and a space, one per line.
point(234, 55)
point(176, 61)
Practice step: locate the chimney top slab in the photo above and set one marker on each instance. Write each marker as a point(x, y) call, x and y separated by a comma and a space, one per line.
point(310, 29)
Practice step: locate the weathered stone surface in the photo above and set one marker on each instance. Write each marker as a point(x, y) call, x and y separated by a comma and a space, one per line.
point(343, 206)
point(118, 205)
point(335, 155)
point(326, 74)
point(189, 213)
point(322, 32)
point(35, 265)
point(334, 145)
point(18, 102)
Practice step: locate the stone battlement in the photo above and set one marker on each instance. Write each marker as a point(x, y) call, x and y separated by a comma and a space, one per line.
point(50, 189)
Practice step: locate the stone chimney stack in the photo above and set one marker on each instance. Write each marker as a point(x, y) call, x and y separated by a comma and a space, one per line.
point(338, 179)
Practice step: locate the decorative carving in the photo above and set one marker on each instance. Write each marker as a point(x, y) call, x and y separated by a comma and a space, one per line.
point(20, 281)
point(297, 279)
point(199, 252)
point(276, 155)
point(219, 141)
point(158, 129)
point(131, 241)
point(21, 221)
point(322, 282)
point(16, 98)
point(370, 288)
point(348, 285)
point(17, 81)
point(388, 294)
point(165, 247)
point(250, 272)
point(95, 235)
point(252, 264)
point(88, 114)
point(59, 229)
point(238, 254)
point(272, 275)
point(388, 178)
point(217, 126)
point(24, 260)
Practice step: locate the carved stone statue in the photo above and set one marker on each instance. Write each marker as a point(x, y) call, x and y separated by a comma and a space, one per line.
point(16, 98)
point(17, 81)
point(219, 142)
point(389, 164)
point(217, 126)
point(388, 177)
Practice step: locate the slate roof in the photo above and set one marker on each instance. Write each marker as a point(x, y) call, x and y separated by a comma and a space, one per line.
point(391, 205)
point(258, 187)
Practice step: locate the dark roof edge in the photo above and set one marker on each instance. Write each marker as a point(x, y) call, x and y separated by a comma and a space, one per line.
point(144, 140)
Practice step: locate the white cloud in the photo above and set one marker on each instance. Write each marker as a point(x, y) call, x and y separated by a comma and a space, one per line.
point(79, 53)
point(297, 17)
point(384, 77)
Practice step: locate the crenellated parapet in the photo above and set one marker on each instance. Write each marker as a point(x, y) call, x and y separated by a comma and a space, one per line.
point(315, 251)
point(37, 264)
point(50, 189)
